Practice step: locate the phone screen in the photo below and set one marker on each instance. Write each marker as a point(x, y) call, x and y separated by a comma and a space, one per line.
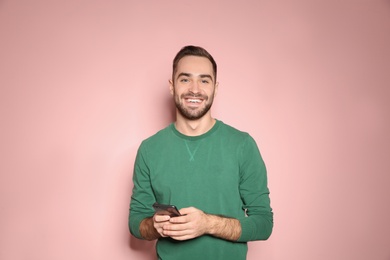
point(164, 209)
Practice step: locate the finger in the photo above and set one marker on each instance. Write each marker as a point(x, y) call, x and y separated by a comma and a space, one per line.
point(161, 218)
point(180, 235)
point(175, 233)
point(179, 231)
point(175, 227)
point(179, 220)
point(161, 232)
point(160, 229)
point(185, 211)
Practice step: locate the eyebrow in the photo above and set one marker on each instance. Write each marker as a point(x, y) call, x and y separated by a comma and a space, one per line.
point(189, 75)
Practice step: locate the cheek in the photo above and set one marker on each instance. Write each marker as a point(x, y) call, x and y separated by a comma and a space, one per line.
point(174, 91)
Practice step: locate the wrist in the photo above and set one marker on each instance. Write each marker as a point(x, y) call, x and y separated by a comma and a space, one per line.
point(223, 227)
point(212, 224)
point(148, 230)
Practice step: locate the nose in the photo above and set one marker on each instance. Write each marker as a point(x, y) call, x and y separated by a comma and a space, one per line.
point(194, 87)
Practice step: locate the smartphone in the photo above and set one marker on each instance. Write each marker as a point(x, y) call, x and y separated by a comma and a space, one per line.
point(163, 209)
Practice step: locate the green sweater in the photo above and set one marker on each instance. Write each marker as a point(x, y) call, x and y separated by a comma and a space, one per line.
point(220, 172)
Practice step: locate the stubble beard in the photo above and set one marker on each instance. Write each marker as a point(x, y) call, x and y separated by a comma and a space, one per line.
point(192, 114)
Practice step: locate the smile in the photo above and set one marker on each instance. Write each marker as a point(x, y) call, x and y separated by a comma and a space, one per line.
point(194, 100)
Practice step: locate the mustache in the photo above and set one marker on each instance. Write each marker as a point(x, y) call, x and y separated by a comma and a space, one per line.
point(194, 95)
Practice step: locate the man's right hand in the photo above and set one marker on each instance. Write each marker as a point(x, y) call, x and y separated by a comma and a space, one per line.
point(158, 223)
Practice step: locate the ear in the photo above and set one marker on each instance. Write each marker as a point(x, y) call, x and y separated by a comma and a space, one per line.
point(216, 89)
point(171, 87)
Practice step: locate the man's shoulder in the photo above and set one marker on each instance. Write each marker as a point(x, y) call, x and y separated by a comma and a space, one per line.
point(159, 136)
point(230, 130)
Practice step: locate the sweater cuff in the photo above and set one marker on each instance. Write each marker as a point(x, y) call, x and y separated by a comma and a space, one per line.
point(134, 225)
point(247, 229)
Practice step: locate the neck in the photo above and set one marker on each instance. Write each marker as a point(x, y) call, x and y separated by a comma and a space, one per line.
point(194, 127)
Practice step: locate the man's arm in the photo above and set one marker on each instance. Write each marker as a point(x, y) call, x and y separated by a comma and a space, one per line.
point(147, 229)
point(195, 223)
point(223, 227)
point(153, 227)
point(258, 222)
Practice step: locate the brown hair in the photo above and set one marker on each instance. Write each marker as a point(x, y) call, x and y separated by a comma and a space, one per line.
point(191, 50)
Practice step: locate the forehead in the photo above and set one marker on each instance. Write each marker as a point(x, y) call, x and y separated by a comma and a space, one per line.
point(195, 65)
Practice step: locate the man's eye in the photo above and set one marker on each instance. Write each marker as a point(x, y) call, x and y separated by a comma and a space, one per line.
point(205, 81)
point(184, 80)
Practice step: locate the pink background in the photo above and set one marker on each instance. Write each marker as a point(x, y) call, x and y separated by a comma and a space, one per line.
point(84, 82)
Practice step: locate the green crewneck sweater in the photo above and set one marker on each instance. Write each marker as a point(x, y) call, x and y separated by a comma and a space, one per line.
point(220, 172)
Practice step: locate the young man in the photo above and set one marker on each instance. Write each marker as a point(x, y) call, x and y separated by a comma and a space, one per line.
point(212, 172)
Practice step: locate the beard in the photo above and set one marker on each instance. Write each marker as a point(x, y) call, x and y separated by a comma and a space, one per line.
point(193, 114)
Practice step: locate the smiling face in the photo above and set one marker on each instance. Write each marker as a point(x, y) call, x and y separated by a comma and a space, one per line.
point(193, 87)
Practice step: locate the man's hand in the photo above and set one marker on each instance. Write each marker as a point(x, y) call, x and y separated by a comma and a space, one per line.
point(192, 224)
point(195, 223)
point(159, 221)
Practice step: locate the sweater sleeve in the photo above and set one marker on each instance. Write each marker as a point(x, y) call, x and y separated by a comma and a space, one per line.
point(142, 197)
point(258, 222)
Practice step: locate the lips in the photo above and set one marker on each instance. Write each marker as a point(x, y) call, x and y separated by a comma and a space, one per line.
point(191, 100)
point(194, 99)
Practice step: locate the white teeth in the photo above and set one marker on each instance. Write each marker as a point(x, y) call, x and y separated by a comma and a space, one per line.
point(194, 100)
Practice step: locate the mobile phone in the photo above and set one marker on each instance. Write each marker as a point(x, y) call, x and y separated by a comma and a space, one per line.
point(164, 209)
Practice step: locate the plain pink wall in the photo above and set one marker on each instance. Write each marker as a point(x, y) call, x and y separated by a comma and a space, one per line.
point(82, 83)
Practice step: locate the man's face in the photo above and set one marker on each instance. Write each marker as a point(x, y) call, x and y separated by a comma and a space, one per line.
point(193, 87)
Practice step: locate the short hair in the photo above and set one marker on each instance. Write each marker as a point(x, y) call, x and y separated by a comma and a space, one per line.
point(191, 50)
